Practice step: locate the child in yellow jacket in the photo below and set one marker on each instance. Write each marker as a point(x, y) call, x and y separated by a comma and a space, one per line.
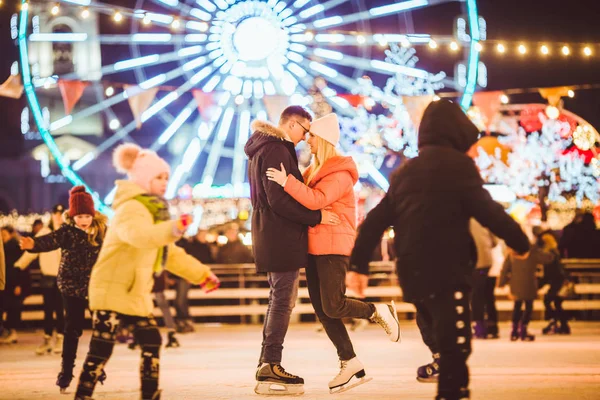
point(139, 246)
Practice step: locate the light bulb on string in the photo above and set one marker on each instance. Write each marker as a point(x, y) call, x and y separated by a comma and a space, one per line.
point(118, 17)
point(454, 46)
point(433, 44)
point(176, 24)
point(360, 39)
point(587, 51)
point(309, 36)
point(545, 50)
point(501, 48)
point(25, 7)
point(566, 51)
point(552, 112)
point(55, 9)
point(522, 49)
point(478, 47)
point(436, 98)
point(571, 93)
point(146, 20)
point(109, 91)
point(504, 99)
point(85, 13)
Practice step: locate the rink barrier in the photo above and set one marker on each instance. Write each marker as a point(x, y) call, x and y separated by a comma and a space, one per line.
point(245, 293)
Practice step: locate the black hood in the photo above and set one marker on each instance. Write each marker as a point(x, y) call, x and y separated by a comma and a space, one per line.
point(445, 124)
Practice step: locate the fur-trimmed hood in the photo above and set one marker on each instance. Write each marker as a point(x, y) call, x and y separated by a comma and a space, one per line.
point(264, 133)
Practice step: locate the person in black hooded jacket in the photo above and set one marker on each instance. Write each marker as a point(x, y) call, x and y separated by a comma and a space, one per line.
point(279, 236)
point(429, 203)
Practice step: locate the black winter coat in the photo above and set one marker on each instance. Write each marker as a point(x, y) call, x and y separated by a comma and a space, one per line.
point(78, 256)
point(279, 223)
point(429, 203)
point(200, 251)
point(14, 276)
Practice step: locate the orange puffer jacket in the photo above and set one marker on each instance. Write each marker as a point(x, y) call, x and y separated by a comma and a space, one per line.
point(333, 186)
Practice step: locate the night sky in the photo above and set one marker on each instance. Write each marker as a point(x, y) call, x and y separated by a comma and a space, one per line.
point(511, 20)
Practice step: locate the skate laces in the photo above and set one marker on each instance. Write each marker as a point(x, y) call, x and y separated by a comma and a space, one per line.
point(381, 321)
point(283, 372)
point(343, 365)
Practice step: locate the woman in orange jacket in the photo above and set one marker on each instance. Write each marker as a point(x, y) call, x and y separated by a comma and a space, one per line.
point(330, 183)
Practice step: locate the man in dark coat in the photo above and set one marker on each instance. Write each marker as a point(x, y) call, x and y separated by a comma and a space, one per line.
point(430, 201)
point(279, 235)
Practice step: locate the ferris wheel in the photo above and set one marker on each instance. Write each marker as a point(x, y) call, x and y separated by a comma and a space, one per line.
point(240, 53)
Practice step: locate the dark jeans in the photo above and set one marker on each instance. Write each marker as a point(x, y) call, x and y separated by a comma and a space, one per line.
point(325, 278)
point(282, 299)
point(53, 305)
point(445, 325)
point(145, 332)
point(182, 305)
point(483, 301)
point(553, 303)
point(75, 309)
point(13, 306)
point(519, 315)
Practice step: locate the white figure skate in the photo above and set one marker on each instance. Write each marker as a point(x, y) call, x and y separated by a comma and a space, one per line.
point(387, 317)
point(351, 375)
point(273, 380)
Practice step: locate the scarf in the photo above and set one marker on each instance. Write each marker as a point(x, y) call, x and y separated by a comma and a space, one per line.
point(159, 208)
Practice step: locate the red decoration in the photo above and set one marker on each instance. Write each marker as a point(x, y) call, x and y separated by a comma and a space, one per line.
point(587, 155)
point(530, 118)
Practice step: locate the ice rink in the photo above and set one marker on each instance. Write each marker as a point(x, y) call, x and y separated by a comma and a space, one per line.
point(218, 362)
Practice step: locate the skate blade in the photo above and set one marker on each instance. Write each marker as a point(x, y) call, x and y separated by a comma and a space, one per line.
point(63, 391)
point(278, 389)
point(398, 322)
point(433, 379)
point(351, 384)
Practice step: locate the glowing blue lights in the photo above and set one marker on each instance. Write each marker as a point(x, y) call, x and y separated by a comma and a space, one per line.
point(176, 124)
point(329, 54)
point(150, 83)
point(473, 55)
point(136, 62)
point(397, 7)
point(322, 23)
point(151, 37)
point(58, 37)
point(309, 12)
point(323, 69)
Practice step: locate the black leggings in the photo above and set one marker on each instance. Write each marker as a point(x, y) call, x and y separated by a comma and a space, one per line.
point(519, 315)
point(53, 306)
point(553, 303)
point(146, 334)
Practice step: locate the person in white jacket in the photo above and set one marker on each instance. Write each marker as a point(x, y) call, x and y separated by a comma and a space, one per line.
point(54, 316)
point(140, 244)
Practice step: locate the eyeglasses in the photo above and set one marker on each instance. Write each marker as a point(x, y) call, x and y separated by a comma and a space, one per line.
point(305, 130)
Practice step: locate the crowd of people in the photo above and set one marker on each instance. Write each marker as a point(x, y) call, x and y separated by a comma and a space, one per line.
point(453, 246)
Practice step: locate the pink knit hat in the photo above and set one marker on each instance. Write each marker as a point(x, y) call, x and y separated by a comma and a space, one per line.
point(327, 127)
point(141, 165)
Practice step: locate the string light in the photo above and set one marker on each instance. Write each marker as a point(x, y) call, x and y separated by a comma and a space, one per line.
point(109, 91)
point(571, 93)
point(85, 13)
point(309, 36)
point(146, 20)
point(544, 49)
point(552, 112)
point(25, 6)
point(433, 44)
point(504, 99)
point(478, 46)
point(436, 98)
point(360, 39)
point(522, 49)
point(500, 48)
point(176, 24)
point(566, 51)
point(118, 17)
point(454, 46)
point(587, 51)
point(55, 9)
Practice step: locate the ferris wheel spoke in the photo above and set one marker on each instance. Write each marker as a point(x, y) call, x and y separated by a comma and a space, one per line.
point(376, 12)
point(345, 39)
point(309, 12)
point(182, 7)
point(217, 145)
point(179, 120)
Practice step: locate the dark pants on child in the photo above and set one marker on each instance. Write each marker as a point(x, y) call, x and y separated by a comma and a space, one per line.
point(522, 317)
point(325, 278)
point(182, 307)
point(445, 325)
point(12, 305)
point(53, 306)
point(553, 303)
point(146, 333)
point(75, 318)
point(483, 300)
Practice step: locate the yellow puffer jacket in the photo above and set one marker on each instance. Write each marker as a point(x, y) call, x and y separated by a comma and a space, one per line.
point(122, 278)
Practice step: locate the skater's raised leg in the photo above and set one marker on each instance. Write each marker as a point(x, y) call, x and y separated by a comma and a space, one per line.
point(75, 308)
point(428, 373)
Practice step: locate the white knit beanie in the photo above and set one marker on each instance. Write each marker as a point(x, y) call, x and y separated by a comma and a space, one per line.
point(327, 127)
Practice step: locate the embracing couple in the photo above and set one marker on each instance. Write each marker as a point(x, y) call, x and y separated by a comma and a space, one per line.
point(306, 222)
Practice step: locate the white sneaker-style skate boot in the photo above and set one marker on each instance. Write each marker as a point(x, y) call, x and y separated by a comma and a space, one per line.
point(273, 380)
point(58, 345)
point(351, 375)
point(387, 317)
point(45, 347)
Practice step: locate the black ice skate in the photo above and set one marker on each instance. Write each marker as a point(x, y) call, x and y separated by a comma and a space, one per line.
point(172, 340)
point(429, 373)
point(65, 376)
point(272, 379)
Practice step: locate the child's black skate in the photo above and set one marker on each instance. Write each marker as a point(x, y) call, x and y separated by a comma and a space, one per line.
point(514, 334)
point(272, 379)
point(525, 335)
point(492, 331)
point(172, 341)
point(551, 328)
point(564, 328)
point(429, 373)
point(65, 376)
